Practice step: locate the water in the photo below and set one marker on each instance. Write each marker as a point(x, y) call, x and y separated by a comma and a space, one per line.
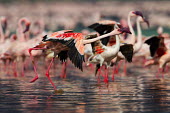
point(138, 91)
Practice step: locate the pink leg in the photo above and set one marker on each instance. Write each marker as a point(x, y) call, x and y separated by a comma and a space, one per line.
point(98, 75)
point(115, 69)
point(63, 73)
point(125, 67)
point(101, 68)
point(23, 67)
point(113, 73)
point(47, 73)
point(106, 80)
point(34, 64)
point(144, 61)
point(160, 71)
point(7, 66)
point(91, 67)
point(14, 69)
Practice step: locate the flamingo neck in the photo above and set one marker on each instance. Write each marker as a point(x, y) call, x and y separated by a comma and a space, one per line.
point(138, 45)
point(100, 37)
point(117, 45)
point(2, 36)
point(132, 41)
point(20, 33)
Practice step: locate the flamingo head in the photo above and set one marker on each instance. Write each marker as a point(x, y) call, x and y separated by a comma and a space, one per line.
point(27, 24)
point(137, 13)
point(4, 22)
point(144, 20)
point(13, 37)
point(147, 22)
point(124, 30)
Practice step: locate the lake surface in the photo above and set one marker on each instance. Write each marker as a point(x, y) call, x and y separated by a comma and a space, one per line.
point(140, 90)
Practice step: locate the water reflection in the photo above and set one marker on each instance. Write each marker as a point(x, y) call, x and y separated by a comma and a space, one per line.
point(136, 92)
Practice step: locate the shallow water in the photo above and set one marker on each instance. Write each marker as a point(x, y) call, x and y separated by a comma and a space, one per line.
point(138, 91)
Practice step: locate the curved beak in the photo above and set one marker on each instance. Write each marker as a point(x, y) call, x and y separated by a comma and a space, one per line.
point(125, 30)
point(147, 22)
point(4, 25)
point(27, 27)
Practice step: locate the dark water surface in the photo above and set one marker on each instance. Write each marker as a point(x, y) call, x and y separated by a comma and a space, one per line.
point(138, 91)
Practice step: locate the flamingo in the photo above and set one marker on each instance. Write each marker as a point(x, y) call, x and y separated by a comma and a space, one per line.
point(20, 30)
point(17, 46)
point(134, 46)
point(4, 41)
point(159, 52)
point(4, 32)
point(104, 54)
point(103, 27)
point(66, 44)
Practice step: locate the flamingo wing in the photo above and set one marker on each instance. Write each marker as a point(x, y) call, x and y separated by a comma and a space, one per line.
point(63, 56)
point(153, 42)
point(103, 27)
point(127, 51)
point(74, 42)
point(97, 46)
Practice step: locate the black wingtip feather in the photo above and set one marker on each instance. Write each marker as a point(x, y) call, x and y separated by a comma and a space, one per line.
point(63, 56)
point(76, 58)
point(127, 51)
point(153, 42)
point(44, 38)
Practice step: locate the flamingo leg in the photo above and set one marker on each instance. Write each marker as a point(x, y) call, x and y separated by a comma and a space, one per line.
point(91, 67)
point(14, 69)
point(7, 66)
point(106, 80)
point(63, 73)
point(125, 67)
point(23, 67)
point(47, 73)
point(117, 69)
point(113, 73)
point(160, 71)
point(5, 63)
point(33, 62)
point(98, 75)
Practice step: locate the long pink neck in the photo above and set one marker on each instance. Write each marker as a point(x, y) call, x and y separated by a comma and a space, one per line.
point(20, 34)
point(2, 36)
point(138, 45)
point(100, 37)
point(132, 41)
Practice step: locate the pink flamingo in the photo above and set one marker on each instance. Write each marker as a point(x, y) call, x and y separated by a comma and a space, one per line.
point(69, 44)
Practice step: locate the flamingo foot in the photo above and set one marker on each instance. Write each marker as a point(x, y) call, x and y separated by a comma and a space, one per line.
point(34, 79)
point(60, 91)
